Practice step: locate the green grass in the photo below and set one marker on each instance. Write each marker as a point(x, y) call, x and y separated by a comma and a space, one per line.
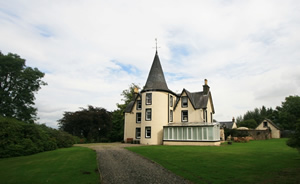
point(268, 161)
point(69, 165)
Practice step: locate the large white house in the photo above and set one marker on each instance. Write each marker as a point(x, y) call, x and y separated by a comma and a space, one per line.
point(157, 115)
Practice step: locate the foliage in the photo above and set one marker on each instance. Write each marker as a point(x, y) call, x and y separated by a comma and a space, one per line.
point(285, 116)
point(18, 138)
point(75, 165)
point(250, 123)
point(18, 83)
point(118, 115)
point(289, 113)
point(267, 161)
point(294, 141)
point(93, 123)
point(258, 115)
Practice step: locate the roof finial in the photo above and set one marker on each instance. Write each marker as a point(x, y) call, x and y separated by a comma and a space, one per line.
point(156, 45)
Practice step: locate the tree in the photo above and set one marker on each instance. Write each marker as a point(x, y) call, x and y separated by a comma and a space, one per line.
point(18, 84)
point(250, 123)
point(118, 115)
point(93, 123)
point(294, 141)
point(289, 113)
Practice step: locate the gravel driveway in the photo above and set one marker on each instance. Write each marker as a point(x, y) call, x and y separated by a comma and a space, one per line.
point(118, 165)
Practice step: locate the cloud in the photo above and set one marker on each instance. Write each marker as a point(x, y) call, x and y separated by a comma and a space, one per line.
point(92, 50)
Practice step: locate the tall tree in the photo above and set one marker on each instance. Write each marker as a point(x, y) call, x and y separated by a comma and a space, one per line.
point(289, 112)
point(93, 123)
point(18, 84)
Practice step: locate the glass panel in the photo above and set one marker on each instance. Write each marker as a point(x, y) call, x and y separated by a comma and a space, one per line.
point(210, 133)
point(166, 133)
point(170, 133)
point(189, 133)
point(175, 133)
point(195, 133)
point(205, 133)
point(199, 133)
point(184, 133)
point(180, 133)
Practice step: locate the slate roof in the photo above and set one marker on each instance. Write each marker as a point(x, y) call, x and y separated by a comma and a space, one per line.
point(226, 124)
point(199, 100)
point(156, 79)
point(131, 103)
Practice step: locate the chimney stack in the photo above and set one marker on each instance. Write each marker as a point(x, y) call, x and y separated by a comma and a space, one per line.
point(135, 92)
point(205, 87)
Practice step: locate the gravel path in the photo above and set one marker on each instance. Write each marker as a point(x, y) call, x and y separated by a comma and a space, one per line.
point(118, 165)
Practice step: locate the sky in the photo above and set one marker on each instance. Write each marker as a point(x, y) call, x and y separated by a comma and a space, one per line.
point(91, 50)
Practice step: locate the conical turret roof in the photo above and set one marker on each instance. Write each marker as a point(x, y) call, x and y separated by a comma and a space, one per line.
point(156, 79)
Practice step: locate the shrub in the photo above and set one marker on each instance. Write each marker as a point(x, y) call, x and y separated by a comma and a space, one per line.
point(18, 138)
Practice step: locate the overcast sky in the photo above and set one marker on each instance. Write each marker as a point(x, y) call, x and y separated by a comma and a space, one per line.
point(91, 50)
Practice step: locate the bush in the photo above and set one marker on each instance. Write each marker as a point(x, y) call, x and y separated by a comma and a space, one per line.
point(18, 138)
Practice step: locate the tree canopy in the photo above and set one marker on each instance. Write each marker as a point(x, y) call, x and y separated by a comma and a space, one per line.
point(285, 116)
point(18, 84)
point(93, 123)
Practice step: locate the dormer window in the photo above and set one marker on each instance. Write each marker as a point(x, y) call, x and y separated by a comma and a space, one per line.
point(138, 104)
point(148, 98)
point(184, 101)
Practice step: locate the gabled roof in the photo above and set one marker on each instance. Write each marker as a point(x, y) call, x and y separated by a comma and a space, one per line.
point(199, 100)
point(129, 107)
point(226, 124)
point(271, 122)
point(156, 79)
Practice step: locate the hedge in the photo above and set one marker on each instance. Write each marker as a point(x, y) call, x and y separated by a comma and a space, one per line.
point(18, 138)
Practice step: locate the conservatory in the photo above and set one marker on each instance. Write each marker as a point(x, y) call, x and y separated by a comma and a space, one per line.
point(196, 134)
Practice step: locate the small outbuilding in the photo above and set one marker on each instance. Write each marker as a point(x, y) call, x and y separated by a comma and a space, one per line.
point(268, 124)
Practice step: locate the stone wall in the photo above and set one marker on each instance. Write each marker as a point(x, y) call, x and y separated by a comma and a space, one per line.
point(257, 134)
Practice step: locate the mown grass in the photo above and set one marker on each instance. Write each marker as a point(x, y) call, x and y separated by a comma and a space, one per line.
point(268, 161)
point(75, 165)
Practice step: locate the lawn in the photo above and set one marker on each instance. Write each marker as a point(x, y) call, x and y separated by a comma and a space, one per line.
point(268, 161)
point(68, 165)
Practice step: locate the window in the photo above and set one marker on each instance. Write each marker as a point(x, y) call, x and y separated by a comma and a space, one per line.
point(148, 115)
point(204, 115)
point(138, 117)
point(148, 98)
point(171, 101)
point(147, 132)
point(265, 124)
point(171, 115)
point(138, 104)
point(211, 117)
point(138, 133)
point(184, 116)
point(184, 101)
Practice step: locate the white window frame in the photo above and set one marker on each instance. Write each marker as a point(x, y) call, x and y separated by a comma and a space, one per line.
point(136, 133)
point(148, 99)
point(171, 115)
point(171, 101)
point(138, 104)
point(147, 130)
point(138, 119)
point(183, 99)
point(148, 114)
point(187, 116)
